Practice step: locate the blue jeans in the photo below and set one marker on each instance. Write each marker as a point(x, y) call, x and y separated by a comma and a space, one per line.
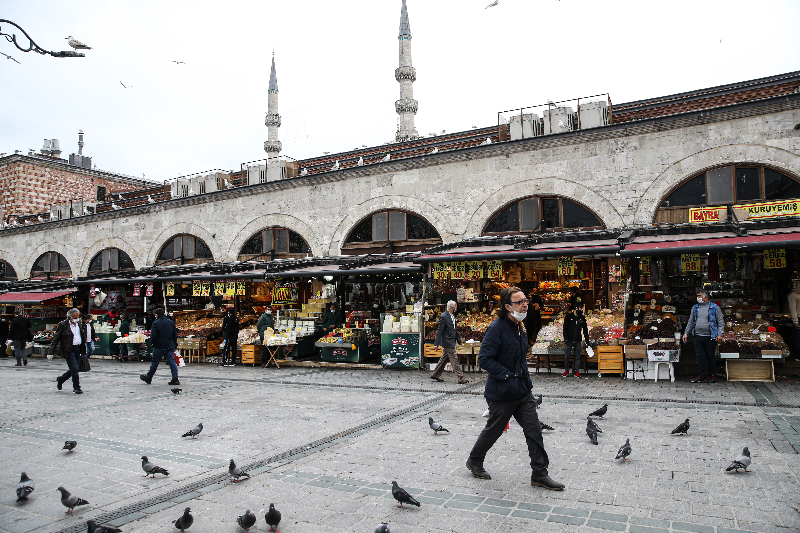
point(572, 348)
point(706, 350)
point(169, 355)
point(72, 363)
point(89, 348)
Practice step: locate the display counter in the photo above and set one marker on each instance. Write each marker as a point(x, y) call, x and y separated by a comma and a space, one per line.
point(341, 352)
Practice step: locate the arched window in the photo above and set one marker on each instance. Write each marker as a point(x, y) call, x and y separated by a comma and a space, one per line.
point(51, 265)
point(525, 216)
point(406, 232)
point(284, 242)
point(110, 260)
point(727, 185)
point(7, 271)
point(184, 250)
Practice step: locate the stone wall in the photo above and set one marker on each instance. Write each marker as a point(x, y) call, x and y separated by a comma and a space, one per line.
point(620, 172)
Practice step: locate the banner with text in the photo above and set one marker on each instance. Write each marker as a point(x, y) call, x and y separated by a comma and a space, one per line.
point(439, 271)
point(775, 258)
point(494, 269)
point(690, 263)
point(566, 266)
point(474, 270)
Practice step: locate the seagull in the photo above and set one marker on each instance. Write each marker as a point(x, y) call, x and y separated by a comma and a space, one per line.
point(335, 165)
point(76, 44)
point(487, 141)
point(86, 211)
point(150, 199)
point(386, 158)
point(492, 4)
point(9, 57)
point(360, 162)
point(41, 219)
point(179, 62)
point(304, 172)
point(119, 196)
point(115, 206)
point(435, 150)
point(561, 125)
point(743, 461)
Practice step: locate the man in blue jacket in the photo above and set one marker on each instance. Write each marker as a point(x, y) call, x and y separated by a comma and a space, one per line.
point(707, 325)
point(164, 338)
point(508, 389)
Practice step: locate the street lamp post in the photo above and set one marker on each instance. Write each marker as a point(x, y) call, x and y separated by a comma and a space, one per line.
point(32, 46)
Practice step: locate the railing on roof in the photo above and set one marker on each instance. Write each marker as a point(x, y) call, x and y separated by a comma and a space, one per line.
point(555, 117)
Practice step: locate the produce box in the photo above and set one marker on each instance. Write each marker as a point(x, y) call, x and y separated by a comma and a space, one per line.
point(636, 351)
point(668, 356)
point(650, 341)
point(771, 354)
point(752, 370)
point(251, 354)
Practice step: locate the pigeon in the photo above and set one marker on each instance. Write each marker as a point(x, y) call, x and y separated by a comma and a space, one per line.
point(185, 521)
point(70, 445)
point(360, 162)
point(743, 461)
point(176, 391)
point(150, 199)
point(590, 422)
point(402, 496)
point(151, 469)
point(624, 450)
point(436, 427)
point(682, 428)
point(386, 158)
point(335, 165)
point(383, 528)
point(92, 527)
point(435, 150)
point(273, 518)
point(236, 472)
point(600, 412)
point(492, 4)
point(487, 141)
point(76, 44)
point(545, 426)
point(194, 432)
point(247, 520)
point(26, 486)
point(592, 432)
point(69, 501)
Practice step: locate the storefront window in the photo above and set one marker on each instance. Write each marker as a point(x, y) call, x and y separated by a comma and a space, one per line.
point(185, 249)
point(7, 271)
point(51, 264)
point(110, 260)
point(524, 216)
point(285, 242)
point(779, 187)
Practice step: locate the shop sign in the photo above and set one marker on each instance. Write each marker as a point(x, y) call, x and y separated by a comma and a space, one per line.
point(690, 262)
point(240, 288)
point(205, 289)
point(170, 289)
point(197, 288)
point(91, 291)
point(566, 266)
point(219, 289)
point(775, 258)
point(137, 289)
point(724, 257)
point(474, 270)
point(284, 293)
point(644, 265)
point(339, 351)
point(149, 291)
point(707, 214)
point(439, 271)
point(494, 269)
point(230, 288)
point(788, 208)
point(457, 270)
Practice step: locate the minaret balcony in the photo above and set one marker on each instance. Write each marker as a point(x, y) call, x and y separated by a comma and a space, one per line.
point(272, 147)
point(406, 105)
point(273, 119)
point(405, 73)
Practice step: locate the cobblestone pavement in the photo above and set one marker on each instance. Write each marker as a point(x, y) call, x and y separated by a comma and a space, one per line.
point(324, 446)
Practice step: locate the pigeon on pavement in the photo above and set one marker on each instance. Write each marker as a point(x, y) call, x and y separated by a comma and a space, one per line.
point(176, 391)
point(92, 527)
point(247, 520)
point(402, 496)
point(682, 428)
point(743, 461)
point(195, 431)
point(592, 432)
point(436, 427)
point(76, 44)
point(273, 518)
point(185, 521)
point(70, 445)
point(236, 472)
point(592, 423)
point(26, 486)
point(545, 426)
point(70, 501)
point(624, 450)
point(151, 469)
point(600, 412)
point(383, 528)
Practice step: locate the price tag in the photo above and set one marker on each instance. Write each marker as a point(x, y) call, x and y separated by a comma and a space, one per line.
point(690, 262)
point(758, 315)
point(566, 266)
point(775, 258)
point(644, 266)
point(763, 337)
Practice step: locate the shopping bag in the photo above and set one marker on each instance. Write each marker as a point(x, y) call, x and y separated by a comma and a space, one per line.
point(179, 359)
point(83, 364)
point(10, 349)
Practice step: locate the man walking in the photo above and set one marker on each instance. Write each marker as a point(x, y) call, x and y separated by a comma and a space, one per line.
point(70, 340)
point(91, 336)
point(574, 324)
point(19, 331)
point(446, 337)
point(164, 338)
point(508, 389)
point(230, 333)
point(707, 326)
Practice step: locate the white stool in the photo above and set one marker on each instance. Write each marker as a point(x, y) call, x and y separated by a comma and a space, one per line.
point(671, 370)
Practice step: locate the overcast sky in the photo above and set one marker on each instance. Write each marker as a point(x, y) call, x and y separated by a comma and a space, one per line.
point(336, 61)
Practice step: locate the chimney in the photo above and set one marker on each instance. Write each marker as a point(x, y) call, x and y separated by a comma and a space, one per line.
point(80, 142)
point(46, 147)
point(55, 149)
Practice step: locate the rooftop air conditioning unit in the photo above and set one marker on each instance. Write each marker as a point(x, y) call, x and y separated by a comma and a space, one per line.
point(525, 126)
point(256, 174)
point(593, 114)
point(59, 212)
point(276, 170)
point(180, 188)
point(558, 119)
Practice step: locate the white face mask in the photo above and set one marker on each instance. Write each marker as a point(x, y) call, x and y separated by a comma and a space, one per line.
point(699, 300)
point(520, 316)
point(74, 320)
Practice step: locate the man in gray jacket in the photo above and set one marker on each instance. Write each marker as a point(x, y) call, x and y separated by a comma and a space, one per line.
point(446, 337)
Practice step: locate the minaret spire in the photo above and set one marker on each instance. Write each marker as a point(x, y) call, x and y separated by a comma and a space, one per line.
point(405, 75)
point(273, 120)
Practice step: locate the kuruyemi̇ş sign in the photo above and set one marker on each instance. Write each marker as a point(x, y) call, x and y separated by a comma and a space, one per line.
point(783, 208)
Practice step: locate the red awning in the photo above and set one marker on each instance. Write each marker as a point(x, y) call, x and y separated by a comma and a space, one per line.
point(682, 244)
point(11, 298)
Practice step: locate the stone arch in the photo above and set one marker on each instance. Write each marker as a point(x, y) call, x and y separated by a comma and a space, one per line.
point(40, 250)
point(571, 190)
point(8, 258)
point(110, 242)
point(217, 250)
point(280, 220)
point(358, 212)
point(680, 171)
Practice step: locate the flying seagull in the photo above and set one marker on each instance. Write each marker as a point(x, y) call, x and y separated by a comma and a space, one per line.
point(624, 450)
point(743, 461)
point(402, 496)
point(492, 4)
point(185, 521)
point(682, 428)
point(247, 520)
point(150, 469)
point(26, 486)
point(436, 427)
point(9, 57)
point(76, 44)
point(70, 501)
point(194, 432)
point(92, 527)
point(70, 445)
point(273, 517)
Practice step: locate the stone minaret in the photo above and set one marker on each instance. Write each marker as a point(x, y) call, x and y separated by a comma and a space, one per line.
point(273, 120)
point(405, 75)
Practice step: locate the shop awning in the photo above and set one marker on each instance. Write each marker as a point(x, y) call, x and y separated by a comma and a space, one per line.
point(37, 298)
point(251, 275)
point(755, 240)
point(382, 269)
point(606, 247)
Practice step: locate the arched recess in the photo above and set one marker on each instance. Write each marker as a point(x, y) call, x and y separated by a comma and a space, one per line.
point(110, 260)
point(184, 249)
point(537, 213)
point(277, 220)
point(589, 198)
point(359, 212)
point(39, 251)
point(184, 228)
point(274, 242)
point(51, 265)
point(7, 271)
point(391, 231)
point(782, 160)
point(139, 257)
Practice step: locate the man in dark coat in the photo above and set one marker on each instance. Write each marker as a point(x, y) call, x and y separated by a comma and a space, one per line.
point(265, 321)
point(20, 332)
point(447, 336)
point(332, 320)
point(508, 389)
point(574, 324)
point(230, 333)
point(533, 322)
point(70, 341)
point(164, 339)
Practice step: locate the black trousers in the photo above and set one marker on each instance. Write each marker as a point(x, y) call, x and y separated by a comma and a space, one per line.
point(229, 351)
point(706, 350)
point(524, 412)
point(72, 364)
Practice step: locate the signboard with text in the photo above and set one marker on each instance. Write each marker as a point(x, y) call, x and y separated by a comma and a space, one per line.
point(644, 266)
point(566, 266)
point(782, 208)
point(707, 214)
point(690, 263)
point(439, 271)
point(457, 270)
point(474, 270)
point(285, 293)
point(494, 269)
point(775, 258)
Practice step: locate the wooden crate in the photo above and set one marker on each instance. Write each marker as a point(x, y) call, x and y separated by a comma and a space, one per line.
point(251, 354)
point(750, 370)
point(432, 353)
point(610, 360)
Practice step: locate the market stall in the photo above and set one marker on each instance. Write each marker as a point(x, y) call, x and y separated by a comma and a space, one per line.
point(44, 309)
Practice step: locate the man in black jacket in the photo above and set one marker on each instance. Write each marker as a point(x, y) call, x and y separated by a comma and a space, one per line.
point(20, 332)
point(70, 341)
point(508, 389)
point(164, 338)
point(574, 323)
point(230, 333)
point(447, 336)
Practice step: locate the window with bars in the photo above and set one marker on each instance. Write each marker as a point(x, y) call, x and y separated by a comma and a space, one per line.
point(526, 215)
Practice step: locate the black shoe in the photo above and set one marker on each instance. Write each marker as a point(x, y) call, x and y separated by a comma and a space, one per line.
point(713, 379)
point(546, 482)
point(18, 364)
point(25, 362)
point(436, 379)
point(144, 378)
point(478, 471)
point(59, 383)
point(174, 382)
point(699, 379)
point(463, 382)
point(77, 391)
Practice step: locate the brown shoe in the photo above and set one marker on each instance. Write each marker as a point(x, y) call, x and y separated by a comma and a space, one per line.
point(436, 379)
point(478, 471)
point(546, 482)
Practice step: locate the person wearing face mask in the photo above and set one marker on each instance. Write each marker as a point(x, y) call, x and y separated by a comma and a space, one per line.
point(377, 310)
point(707, 325)
point(794, 311)
point(332, 319)
point(265, 321)
point(574, 324)
point(508, 389)
point(447, 336)
point(70, 341)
